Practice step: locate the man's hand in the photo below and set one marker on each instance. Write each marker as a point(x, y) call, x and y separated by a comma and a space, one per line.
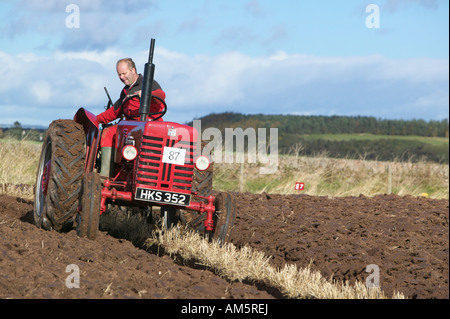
point(135, 94)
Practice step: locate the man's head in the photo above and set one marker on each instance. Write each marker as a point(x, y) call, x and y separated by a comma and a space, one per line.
point(126, 70)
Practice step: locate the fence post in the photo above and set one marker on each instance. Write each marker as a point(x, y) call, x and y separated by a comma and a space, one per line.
point(389, 179)
point(241, 178)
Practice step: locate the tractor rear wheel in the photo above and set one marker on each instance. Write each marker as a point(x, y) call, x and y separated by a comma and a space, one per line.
point(60, 171)
point(203, 186)
point(88, 219)
point(202, 181)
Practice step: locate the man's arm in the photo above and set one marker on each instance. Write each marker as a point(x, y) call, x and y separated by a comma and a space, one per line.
point(113, 113)
point(107, 116)
point(159, 93)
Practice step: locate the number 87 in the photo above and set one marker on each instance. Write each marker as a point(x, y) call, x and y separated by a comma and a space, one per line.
point(173, 155)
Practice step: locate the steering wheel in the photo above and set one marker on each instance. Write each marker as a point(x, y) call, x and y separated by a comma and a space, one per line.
point(153, 97)
point(160, 112)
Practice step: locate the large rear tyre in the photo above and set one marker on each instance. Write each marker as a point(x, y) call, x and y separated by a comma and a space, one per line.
point(202, 184)
point(202, 181)
point(59, 175)
point(88, 218)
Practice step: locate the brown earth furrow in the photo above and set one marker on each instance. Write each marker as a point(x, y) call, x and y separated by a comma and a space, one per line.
point(406, 237)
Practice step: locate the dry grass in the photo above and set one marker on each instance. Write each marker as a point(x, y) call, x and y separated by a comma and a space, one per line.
point(338, 177)
point(322, 176)
point(247, 264)
point(18, 166)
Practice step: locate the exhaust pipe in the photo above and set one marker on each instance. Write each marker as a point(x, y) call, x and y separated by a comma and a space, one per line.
point(147, 84)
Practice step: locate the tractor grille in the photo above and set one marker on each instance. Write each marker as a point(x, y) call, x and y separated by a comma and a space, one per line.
point(151, 171)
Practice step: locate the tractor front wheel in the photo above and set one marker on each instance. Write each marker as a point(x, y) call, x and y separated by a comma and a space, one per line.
point(88, 218)
point(224, 217)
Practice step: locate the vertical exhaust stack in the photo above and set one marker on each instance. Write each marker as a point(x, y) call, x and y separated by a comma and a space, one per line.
point(147, 84)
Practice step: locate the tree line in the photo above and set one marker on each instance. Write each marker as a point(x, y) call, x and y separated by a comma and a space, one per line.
point(292, 130)
point(377, 150)
point(16, 131)
point(302, 124)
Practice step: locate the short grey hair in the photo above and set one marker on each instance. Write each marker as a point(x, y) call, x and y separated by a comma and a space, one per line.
point(128, 61)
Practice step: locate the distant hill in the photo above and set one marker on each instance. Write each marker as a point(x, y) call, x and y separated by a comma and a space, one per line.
point(25, 127)
point(380, 139)
point(301, 124)
point(353, 137)
point(19, 132)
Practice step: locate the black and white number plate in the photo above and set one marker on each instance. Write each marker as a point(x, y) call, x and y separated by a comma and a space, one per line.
point(156, 196)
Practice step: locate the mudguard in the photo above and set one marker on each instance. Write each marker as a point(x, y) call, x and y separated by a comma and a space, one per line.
point(92, 131)
point(86, 118)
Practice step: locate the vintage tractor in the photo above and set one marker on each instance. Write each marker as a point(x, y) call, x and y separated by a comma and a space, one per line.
point(157, 164)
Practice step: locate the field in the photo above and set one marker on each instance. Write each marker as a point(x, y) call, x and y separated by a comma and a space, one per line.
point(322, 176)
point(373, 147)
point(436, 141)
point(316, 243)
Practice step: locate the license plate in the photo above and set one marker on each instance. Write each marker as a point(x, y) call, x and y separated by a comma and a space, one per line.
point(157, 196)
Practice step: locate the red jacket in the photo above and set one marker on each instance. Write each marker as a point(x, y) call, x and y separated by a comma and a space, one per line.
point(129, 107)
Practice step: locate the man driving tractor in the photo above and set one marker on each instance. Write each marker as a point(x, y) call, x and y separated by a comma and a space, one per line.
point(128, 106)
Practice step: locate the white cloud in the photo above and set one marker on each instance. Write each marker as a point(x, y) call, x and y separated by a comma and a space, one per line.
point(41, 90)
point(202, 80)
point(102, 23)
point(105, 58)
point(198, 85)
point(284, 83)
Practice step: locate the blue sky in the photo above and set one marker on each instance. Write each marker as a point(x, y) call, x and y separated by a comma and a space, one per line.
point(250, 56)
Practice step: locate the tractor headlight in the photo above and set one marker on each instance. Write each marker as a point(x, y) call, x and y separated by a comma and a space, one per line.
point(202, 163)
point(129, 152)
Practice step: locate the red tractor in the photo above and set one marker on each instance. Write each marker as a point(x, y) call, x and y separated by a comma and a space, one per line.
point(157, 164)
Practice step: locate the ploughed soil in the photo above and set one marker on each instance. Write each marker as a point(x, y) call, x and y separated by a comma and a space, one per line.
point(406, 237)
